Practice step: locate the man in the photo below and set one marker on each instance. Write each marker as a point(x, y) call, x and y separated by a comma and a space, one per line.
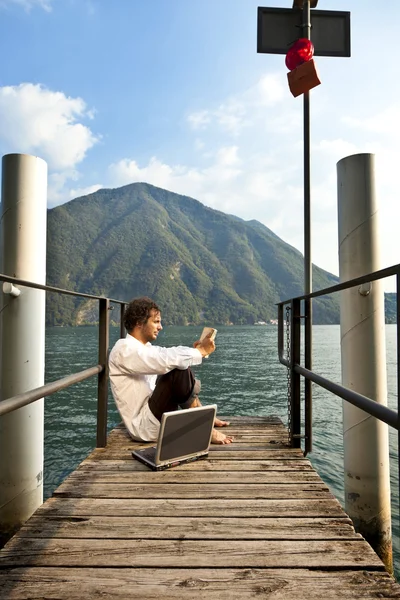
point(148, 380)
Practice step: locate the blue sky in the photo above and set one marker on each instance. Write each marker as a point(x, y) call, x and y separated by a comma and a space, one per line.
point(173, 92)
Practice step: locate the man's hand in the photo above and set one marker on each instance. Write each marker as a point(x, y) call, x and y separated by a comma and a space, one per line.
point(206, 346)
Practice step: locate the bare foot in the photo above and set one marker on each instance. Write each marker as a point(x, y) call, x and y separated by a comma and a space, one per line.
point(219, 423)
point(220, 438)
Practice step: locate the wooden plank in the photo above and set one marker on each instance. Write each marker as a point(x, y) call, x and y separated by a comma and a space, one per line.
point(228, 452)
point(268, 446)
point(177, 476)
point(125, 451)
point(200, 584)
point(189, 528)
point(252, 420)
point(121, 436)
point(229, 508)
point(61, 552)
point(270, 430)
point(239, 438)
point(210, 464)
point(245, 452)
point(83, 489)
point(245, 422)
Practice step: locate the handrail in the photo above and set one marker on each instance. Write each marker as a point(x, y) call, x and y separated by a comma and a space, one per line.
point(20, 400)
point(101, 370)
point(382, 274)
point(380, 411)
point(371, 407)
point(50, 288)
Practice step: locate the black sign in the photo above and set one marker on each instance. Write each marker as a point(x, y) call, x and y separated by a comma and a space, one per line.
point(278, 28)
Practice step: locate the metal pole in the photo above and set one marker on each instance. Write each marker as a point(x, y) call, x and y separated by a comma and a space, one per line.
point(295, 424)
point(398, 384)
point(102, 383)
point(22, 323)
point(363, 351)
point(122, 331)
point(307, 246)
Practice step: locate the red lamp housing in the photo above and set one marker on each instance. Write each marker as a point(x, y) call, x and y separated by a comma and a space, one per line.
point(300, 52)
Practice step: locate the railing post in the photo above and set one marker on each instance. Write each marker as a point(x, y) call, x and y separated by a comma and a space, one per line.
point(122, 331)
point(102, 385)
point(280, 331)
point(295, 425)
point(398, 379)
point(307, 382)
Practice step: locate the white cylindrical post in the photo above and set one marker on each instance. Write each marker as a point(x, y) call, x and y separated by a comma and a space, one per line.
point(363, 352)
point(22, 329)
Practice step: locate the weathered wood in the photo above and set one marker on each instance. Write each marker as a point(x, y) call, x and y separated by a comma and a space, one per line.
point(227, 452)
point(115, 452)
point(189, 528)
point(61, 552)
point(253, 520)
point(238, 438)
point(211, 464)
point(192, 490)
point(244, 452)
point(39, 583)
point(229, 508)
point(122, 434)
point(231, 452)
point(89, 476)
point(252, 420)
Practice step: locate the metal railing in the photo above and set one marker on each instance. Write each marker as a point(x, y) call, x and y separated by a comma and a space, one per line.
point(292, 362)
point(101, 369)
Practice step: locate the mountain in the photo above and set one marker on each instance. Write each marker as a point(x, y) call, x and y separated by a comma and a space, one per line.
point(197, 263)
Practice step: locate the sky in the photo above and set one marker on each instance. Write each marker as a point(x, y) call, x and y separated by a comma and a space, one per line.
point(173, 93)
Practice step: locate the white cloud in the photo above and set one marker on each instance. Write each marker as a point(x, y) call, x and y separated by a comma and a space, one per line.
point(254, 187)
point(28, 4)
point(199, 120)
point(39, 121)
point(241, 110)
point(60, 190)
point(335, 149)
point(84, 191)
point(384, 122)
point(36, 120)
point(268, 91)
point(228, 156)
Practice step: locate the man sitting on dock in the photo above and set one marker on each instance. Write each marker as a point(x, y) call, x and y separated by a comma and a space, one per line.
point(148, 380)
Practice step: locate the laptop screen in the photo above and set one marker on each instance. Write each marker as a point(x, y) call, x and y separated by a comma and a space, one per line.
point(187, 432)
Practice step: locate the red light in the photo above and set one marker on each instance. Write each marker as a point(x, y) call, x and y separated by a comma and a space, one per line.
point(300, 52)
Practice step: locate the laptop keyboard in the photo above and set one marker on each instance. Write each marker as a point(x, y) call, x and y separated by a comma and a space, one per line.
point(149, 453)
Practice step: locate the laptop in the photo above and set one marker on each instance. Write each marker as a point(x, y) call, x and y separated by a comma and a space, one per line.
point(184, 436)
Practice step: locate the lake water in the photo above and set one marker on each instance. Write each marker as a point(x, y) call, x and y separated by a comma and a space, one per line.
point(244, 377)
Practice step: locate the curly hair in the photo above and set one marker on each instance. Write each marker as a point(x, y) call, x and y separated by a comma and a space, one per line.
point(138, 311)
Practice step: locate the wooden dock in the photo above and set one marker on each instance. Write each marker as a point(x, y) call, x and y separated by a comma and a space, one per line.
point(254, 520)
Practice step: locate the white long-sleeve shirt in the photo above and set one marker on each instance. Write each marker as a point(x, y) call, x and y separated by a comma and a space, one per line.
point(133, 372)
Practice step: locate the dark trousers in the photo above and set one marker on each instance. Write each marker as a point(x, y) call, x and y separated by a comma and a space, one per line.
point(178, 388)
